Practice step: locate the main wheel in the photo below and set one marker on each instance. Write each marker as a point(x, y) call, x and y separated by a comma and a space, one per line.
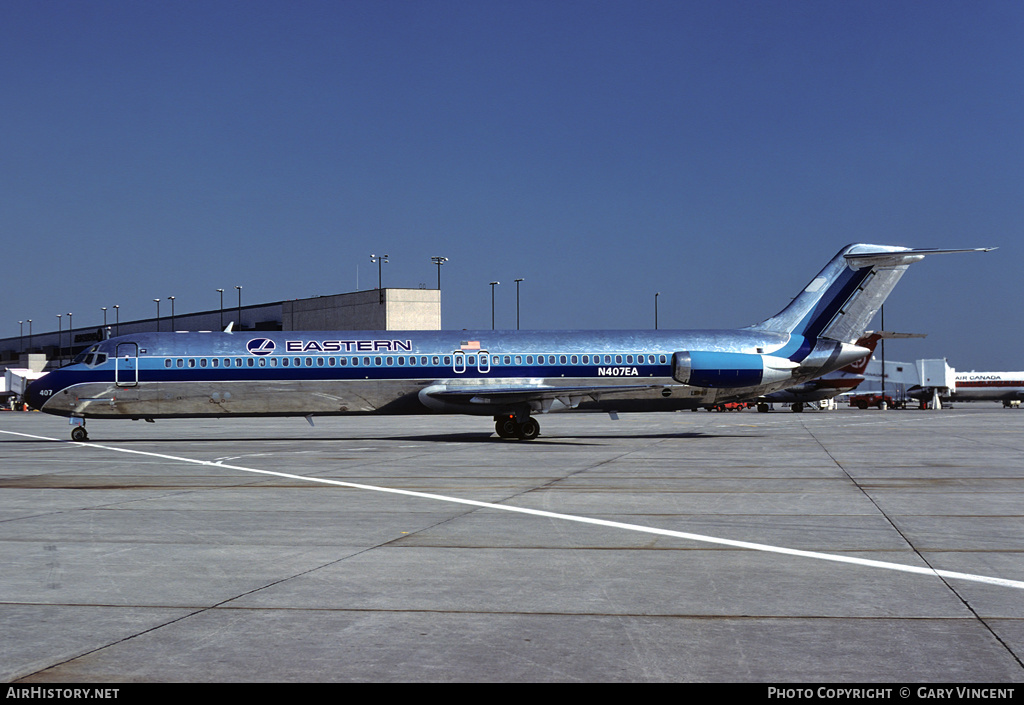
point(506, 427)
point(529, 429)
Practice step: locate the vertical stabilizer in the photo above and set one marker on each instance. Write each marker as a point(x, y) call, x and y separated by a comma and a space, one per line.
point(840, 302)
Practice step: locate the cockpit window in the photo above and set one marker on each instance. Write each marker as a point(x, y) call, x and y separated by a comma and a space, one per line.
point(90, 357)
point(84, 356)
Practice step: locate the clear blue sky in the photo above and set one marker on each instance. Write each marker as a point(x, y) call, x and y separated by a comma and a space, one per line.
point(716, 152)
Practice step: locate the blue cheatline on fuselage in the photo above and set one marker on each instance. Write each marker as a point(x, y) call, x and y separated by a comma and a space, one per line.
point(167, 357)
point(510, 375)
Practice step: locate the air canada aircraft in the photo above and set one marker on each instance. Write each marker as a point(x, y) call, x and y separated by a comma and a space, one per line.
point(508, 375)
point(1007, 387)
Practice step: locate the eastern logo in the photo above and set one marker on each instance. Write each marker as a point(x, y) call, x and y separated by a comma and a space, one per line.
point(329, 346)
point(260, 346)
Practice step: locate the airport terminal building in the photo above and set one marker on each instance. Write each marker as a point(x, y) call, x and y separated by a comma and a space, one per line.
point(375, 309)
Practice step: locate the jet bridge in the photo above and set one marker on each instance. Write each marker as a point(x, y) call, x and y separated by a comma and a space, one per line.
point(16, 381)
point(938, 378)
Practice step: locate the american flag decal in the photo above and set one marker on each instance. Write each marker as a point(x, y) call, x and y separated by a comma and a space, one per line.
point(470, 345)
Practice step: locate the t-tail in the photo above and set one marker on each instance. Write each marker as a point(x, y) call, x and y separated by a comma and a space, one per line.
point(840, 302)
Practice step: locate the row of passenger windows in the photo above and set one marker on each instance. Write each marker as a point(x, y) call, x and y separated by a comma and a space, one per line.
point(414, 361)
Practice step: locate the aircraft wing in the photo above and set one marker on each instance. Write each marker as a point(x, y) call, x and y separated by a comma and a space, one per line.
point(836, 382)
point(570, 396)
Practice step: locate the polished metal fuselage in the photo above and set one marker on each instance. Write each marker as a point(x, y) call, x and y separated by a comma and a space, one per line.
point(361, 372)
point(481, 372)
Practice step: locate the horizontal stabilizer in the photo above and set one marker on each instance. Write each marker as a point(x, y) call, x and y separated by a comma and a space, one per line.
point(859, 260)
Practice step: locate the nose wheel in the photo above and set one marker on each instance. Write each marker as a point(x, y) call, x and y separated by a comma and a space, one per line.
point(78, 433)
point(509, 427)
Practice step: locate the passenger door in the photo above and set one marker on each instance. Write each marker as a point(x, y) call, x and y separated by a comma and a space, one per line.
point(126, 365)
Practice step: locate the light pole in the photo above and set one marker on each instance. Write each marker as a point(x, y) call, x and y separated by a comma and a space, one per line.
point(656, 295)
point(380, 276)
point(881, 323)
point(157, 314)
point(60, 343)
point(438, 261)
point(172, 312)
point(21, 336)
point(493, 284)
point(30, 334)
point(71, 337)
point(117, 319)
point(239, 307)
point(382, 260)
point(517, 303)
point(221, 292)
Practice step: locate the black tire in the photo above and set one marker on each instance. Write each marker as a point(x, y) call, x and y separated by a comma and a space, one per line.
point(506, 428)
point(529, 429)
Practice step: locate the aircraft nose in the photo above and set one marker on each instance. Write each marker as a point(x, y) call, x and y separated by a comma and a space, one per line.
point(34, 396)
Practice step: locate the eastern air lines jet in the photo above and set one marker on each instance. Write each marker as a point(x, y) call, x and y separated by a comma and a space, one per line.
point(508, 375)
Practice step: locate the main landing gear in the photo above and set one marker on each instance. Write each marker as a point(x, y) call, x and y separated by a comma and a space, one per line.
point(510, 427)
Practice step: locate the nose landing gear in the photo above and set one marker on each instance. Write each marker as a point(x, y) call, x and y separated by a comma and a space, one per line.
point(510, 427)
point(79, 434)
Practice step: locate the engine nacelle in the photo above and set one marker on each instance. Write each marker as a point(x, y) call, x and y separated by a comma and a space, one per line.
point(700, 368)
